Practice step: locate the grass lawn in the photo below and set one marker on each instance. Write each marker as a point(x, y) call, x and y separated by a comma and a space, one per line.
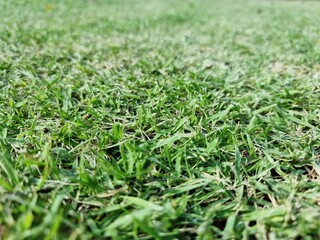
point(150, 119)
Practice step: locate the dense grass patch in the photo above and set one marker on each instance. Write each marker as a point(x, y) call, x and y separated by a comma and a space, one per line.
point(159, 119)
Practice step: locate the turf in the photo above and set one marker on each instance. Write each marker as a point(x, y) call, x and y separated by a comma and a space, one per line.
point(159, 119)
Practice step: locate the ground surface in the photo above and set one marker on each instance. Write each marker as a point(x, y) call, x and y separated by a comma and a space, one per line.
point(159, 119)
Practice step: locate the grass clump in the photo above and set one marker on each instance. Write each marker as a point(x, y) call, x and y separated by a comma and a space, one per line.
point(159, 120)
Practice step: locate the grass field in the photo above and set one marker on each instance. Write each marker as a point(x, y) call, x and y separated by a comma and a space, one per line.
point(150, 119)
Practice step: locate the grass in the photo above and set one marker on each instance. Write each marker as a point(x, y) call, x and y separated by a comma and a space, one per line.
point(159, 119)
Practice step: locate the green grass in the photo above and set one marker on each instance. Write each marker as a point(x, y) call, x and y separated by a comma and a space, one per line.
point(150, 119)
